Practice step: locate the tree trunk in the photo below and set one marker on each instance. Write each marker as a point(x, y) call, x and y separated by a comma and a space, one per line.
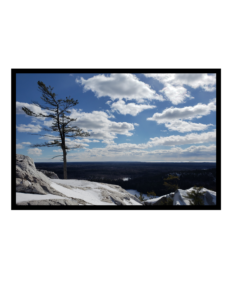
point(64, 153)
point(65, 165)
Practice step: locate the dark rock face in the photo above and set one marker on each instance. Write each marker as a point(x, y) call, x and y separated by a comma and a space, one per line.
point(49, 174)
point(30, 180)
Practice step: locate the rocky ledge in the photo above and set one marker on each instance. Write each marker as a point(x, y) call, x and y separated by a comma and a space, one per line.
point(34, 187)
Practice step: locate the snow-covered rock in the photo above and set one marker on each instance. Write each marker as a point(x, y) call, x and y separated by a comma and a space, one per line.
point(156, 201)
point(49, 174)
point(180, 197)
point(30, 180)
point(35, 188)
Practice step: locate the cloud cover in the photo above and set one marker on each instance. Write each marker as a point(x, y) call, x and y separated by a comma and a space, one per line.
point(174, 89)
point(99, 125)
point(129, 109)
point(184, 113)
point(119, 86)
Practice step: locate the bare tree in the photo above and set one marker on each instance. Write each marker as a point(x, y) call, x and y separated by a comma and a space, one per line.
point(57, 110)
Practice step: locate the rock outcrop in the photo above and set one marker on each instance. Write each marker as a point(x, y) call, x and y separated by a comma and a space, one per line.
point(30, 180)
point(180, 197)
point(30, 183)
point(49, 174)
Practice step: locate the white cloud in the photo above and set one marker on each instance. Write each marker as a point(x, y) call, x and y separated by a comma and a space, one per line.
point(129, 109)
point(58, 151)
point(110, 113)
point(176, 94)
point(195, 153)
point(183, 126)
point(192, 138)
point(203, 80)
point(190, 151)
point(29, 128)
point(188, 113)
point(49, 137)
point(99, 125)
point(173, 84)
point(34, 151)
point(35, 109)
point(119, 86)
point(128, 152)
point(74, 143)
point(19, 146)
point(83, 140)
point(49, 122)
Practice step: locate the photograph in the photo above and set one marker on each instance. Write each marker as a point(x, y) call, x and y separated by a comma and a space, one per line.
point(116, 139)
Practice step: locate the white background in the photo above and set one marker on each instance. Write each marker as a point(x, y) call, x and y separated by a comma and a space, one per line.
point(115, 254)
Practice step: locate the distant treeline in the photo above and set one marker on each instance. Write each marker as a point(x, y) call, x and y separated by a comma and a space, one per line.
point(187, 179)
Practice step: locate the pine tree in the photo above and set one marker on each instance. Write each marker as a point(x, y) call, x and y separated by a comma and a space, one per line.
point(171, 183)
point(151, 194)
point(196, 196)
point(57, 110)
point(140, 197)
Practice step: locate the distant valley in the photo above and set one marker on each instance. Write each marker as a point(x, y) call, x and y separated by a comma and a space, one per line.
point(140, 176)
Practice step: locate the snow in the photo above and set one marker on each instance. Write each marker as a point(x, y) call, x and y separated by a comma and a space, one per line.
point(134, 192)
point(109, 188)
point(126, 179)
point(85, 183)
point(134, 202)
point(212, 193)
point(153, 200)
point(76, 183)
point(92, 196)
point(20, 197)
point(180, 197)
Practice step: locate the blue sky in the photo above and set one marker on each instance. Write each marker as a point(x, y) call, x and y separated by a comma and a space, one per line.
point(130, 117)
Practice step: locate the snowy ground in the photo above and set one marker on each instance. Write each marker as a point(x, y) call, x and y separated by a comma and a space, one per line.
point(91, 195)
point(91, 192)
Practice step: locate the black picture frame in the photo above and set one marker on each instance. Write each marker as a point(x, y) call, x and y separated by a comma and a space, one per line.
point(14, 206)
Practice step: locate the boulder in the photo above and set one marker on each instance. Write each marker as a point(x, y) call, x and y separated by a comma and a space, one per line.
point(30, 180)
point(49, 174)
